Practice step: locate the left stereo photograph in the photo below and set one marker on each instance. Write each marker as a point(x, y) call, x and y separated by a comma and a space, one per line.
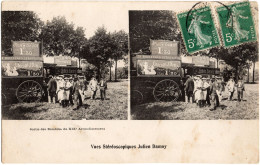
point(63, 67)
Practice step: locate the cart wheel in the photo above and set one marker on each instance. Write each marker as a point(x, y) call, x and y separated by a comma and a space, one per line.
point(29, 91)
point(166, 90)
point(136, 97)
point(4, 99)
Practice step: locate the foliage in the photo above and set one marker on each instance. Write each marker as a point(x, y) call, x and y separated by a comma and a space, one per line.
point(120, 39)
point(19, 26)
point(121, 48)
point(99, 48)
point(87, 66)
point(238, 57)
point(155, 25)
point(123, 72)
point(60, 37)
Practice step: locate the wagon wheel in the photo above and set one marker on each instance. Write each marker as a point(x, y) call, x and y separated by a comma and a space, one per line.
point(4, 99)
point(166, 90)
point(29, 91)
point(136, 97)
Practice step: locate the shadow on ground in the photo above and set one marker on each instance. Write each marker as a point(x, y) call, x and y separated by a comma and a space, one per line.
point(155, 111)
point(20, 111)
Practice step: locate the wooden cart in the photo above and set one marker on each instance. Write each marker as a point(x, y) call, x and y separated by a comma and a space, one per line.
point(22, 73)
point(156, 76)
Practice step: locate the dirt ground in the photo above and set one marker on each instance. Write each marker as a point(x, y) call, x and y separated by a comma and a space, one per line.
point(229, 110)
point(114, 108)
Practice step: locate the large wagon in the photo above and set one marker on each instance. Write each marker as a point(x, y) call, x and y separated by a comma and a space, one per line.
point(22, 73)
point(156, 76)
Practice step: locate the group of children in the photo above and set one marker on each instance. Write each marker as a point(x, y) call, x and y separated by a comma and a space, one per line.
point(72, 91)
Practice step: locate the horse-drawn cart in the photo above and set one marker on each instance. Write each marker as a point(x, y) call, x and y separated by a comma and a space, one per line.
point(22, 73)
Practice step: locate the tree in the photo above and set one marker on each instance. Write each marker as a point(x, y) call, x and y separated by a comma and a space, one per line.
point(19, 26)
point(238, 56)
point(123, 72)
point(60, 37)
point(120, 39)
point(111, 62)
point(146, 25)
point(254, 56)
point(99, 49)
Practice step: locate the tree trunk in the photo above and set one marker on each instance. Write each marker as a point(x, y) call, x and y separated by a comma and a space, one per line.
point(254, 72)
point(116, 69)
point(110, 75)
point(248, 73)
point(217, 61)
point(99, 66)
point(236, 74)
point(79, 63)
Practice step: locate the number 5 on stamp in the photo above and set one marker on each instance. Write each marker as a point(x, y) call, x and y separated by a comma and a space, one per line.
point(198, 29)
point(236, 24)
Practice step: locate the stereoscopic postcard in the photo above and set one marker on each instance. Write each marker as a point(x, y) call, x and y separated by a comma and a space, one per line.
point(130, 82)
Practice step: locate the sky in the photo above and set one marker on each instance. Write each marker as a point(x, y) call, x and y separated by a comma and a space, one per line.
point(90, 19)
point(90, 16)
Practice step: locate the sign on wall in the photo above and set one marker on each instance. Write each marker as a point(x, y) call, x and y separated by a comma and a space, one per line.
point(186, 59)
point(200, 60)
point(158, 57)
point(21, 58)
point(60, 70)
point(26, 48)
point(22, 68)
point(164, 47)
point(62, 60)
point(158, 67)
point(212, 64)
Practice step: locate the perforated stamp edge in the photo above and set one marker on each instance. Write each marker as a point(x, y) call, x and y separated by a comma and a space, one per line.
point(201, 5)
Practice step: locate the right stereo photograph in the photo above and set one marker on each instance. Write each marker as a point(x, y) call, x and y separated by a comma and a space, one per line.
point(198, 64)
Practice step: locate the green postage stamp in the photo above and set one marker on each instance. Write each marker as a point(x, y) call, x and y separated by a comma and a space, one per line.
point(236, 23)
point(198, 29)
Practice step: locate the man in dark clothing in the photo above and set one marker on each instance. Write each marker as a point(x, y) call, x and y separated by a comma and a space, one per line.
point(52, 87)
point(77, 87)
point(102, 87)
point(208, 92)
point(215, 90)
point(182, 86)
point(71, 91)
point(189, 88)
point(45, 90)
point(240, 89)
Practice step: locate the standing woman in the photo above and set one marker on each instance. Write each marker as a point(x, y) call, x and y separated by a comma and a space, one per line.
point(60, 90)
point(204, 89)
point(93, 84)
point(67, 86)
point(197, 90)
